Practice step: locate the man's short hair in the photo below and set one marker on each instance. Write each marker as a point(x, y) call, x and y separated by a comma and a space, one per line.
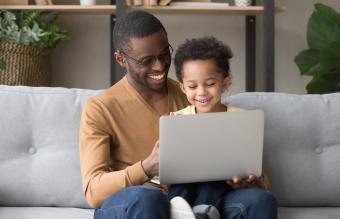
point(135, 24)
point(203, 49)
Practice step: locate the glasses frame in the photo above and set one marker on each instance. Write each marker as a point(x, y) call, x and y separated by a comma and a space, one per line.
point(154, 58)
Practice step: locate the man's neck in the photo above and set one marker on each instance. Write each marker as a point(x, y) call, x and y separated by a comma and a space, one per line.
point(157, 99)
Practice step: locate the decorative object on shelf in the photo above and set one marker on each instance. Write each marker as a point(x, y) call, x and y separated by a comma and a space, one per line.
point(137, 2)
point(26, 41)
point(43, 2)
point(322, 59)
point(87, 2)
point(243, 3)
point(164, 2)
point(13, 2)
point(194, 4)
point(145, 3)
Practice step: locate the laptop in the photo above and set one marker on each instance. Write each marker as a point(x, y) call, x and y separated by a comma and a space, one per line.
point(210, 146)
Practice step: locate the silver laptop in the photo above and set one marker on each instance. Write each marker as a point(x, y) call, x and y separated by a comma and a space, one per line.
point(210, 146)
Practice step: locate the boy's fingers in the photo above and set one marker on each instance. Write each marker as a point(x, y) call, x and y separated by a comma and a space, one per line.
point(235, 179)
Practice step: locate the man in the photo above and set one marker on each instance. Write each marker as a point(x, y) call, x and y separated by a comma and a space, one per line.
point(119, 127)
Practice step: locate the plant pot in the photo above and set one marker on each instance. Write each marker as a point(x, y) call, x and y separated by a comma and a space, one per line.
point(25, 65)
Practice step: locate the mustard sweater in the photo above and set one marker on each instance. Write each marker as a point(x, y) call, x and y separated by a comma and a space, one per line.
point(118, 129)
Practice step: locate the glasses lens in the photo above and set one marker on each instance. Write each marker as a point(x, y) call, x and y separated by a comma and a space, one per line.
point(150, 60)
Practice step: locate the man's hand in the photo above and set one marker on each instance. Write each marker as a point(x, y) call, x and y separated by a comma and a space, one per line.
point(151, 163)
point(251, 181)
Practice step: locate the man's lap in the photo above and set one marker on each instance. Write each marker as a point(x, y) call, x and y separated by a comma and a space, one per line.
point(240, 200)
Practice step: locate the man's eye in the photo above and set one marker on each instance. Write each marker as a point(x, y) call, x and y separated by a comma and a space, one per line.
point(147, 61)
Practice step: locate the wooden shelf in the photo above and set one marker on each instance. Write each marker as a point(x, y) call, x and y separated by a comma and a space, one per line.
point(230, 10)
point(111, 9)
point(96, 9)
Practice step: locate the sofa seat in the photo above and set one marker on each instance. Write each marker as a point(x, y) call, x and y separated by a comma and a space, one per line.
point(45, 212)
point(309, 213)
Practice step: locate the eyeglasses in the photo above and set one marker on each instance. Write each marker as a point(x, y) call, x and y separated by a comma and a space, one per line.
point(149, 61)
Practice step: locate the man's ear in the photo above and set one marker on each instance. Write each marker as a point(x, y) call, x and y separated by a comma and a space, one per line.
point(120, 59)
point(226, 83)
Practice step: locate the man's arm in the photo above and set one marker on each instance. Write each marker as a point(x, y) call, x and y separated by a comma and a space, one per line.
point(96, 137)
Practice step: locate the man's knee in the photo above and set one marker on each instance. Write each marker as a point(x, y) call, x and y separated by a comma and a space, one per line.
point(263, 197)
point(250, 203)
point(151, 196)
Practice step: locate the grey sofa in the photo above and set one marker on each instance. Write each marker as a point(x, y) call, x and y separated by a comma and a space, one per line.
point(39, 164)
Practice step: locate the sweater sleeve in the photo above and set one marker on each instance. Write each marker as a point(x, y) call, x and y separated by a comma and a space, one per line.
point(98, 178)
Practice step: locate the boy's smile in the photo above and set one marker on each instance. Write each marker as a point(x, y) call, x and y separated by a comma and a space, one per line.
point(203, 85)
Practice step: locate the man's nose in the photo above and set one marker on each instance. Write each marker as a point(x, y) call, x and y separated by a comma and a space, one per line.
point(159, 65)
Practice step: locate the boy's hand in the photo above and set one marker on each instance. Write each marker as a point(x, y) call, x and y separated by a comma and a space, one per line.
point(251, 181)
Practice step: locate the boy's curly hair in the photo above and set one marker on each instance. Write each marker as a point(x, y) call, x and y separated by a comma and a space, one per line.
point(202, 49)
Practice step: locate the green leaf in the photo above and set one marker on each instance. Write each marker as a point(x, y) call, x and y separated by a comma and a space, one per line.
point(2, 64)
point(330, 59)
point(31, 28)
point(320, 85)
point(308, 61)
point(328, 10)
point(323, 27)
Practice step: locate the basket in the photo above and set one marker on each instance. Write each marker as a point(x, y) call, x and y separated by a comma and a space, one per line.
point(25, 65)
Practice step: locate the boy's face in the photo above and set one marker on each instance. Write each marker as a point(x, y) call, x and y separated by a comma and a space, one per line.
point(203, 85)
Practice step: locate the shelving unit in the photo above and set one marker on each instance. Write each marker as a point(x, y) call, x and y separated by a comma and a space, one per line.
point(111, 9)
point(117, 9)
point(230, 10)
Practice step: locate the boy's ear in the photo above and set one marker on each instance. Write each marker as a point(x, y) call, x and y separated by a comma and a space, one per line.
point(120, 59)
point(226, 83)
point(182, 87)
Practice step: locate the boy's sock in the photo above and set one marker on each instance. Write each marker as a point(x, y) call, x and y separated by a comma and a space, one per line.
point(206, 211)
point(180, 209)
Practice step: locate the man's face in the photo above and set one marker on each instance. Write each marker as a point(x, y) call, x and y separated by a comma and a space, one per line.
point(145, 71)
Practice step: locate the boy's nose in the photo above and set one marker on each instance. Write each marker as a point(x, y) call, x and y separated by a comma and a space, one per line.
point(201, 91)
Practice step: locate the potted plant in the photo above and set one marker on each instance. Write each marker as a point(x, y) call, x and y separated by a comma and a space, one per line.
point(26, 40)
point(322, 59)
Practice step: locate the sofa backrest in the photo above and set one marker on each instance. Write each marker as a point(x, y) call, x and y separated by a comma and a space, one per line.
point(301, 145)
point(39, 151)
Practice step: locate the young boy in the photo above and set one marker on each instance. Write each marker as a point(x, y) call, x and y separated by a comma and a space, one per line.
point(203, 70)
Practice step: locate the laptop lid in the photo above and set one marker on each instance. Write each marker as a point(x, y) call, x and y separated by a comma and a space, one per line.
point(210, 146)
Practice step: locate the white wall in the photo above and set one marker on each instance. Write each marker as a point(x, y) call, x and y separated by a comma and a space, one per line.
point(84, 60)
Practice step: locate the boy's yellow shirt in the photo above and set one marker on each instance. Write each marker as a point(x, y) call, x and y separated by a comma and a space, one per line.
point(190, 110)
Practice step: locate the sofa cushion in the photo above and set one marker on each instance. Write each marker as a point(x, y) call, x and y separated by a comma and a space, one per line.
point(301, 145)
point(309, 213)
point(46, 212)
point(39, 151)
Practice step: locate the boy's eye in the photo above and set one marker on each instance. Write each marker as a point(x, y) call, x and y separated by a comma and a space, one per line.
point(191, 86)
point(210, 84)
